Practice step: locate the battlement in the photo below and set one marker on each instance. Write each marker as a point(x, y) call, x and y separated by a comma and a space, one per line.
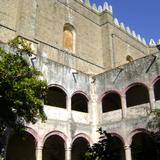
point(132, 33)
point(106, 7)
point(94, 7)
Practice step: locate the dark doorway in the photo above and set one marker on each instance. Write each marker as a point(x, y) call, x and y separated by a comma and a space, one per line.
point(143, 147)
point(79, 148)
point(21, 147)
point(54, 148)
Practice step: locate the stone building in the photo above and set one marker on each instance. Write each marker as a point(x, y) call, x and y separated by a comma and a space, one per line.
point(99, 73)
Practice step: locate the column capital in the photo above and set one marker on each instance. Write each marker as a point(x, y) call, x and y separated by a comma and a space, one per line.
point(39, 147)
point(126, 147)
point(68, 153)
point(151, 87)
point(123, 95)
point(39, 150)
point(68, 148)
point(127, 150)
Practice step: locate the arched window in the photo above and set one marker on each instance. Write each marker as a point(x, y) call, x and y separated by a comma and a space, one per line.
point(69, 37)
point(111, 102)
point(56, 97)
point(157, 90)
point(79, 103)
point(136, 95)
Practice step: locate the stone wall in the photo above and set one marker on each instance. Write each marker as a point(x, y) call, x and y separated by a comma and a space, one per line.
point(99, 43)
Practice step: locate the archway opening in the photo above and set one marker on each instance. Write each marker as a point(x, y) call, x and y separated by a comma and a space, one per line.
point(157, 90)
point(54, 148)
point(117, 149)
point(21, 147)
point(111, 102)
point(143, 147)
point(79, 103)
point(79, 148)
point(56, 97)
point(137, 95)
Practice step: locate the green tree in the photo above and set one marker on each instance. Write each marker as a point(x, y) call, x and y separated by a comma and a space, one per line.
point(154, 127)
point(21, 90)
point(103, 149)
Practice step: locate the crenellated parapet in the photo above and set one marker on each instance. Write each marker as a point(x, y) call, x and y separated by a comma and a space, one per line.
point(129, 31)
point(152, 43)
point(132, 33)
point(108, 8)
point(98, 9)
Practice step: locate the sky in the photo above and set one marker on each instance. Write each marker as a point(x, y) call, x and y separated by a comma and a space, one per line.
point(142, 16)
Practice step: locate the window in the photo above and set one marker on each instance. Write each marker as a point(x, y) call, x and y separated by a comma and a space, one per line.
point(136, 95)
point(56, 97)
point(111, 102)
point(69, 37)
point(79, 103)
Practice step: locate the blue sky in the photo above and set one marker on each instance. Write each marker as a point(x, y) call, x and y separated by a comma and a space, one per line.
point(143, 16)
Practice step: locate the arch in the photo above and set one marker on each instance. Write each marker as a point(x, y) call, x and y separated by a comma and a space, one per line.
point(83, 135)
point(156, 88)
point(79, 148)
point(79, 102)
point(136, 94)
point(134, 132)
point(33, 133)
point(56, 97)
point(143, 146)
point(54, 148)
point(81, 92)
point(111, 101)
point(118, 136)
point(100, 97)
point(21, 146)
point(59, 86)
point(117, 147)
point(58, 133)
point(69, 37)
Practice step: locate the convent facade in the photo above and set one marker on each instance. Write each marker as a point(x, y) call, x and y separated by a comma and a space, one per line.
point(99, 72)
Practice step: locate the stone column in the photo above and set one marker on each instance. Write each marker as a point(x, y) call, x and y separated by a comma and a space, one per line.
point(39, 150)
point(69, 130)
point(127, 152)
point(68, 153)
point(124, 106)
point(68, 106)
point(95, 110)
point(152, 98)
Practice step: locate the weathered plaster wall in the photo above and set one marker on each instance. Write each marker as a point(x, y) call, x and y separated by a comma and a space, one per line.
point(145, 71)
point(72, 81)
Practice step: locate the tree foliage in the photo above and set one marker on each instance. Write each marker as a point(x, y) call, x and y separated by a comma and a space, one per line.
point(103, 149)
point(21, 90)
point(154, 127)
